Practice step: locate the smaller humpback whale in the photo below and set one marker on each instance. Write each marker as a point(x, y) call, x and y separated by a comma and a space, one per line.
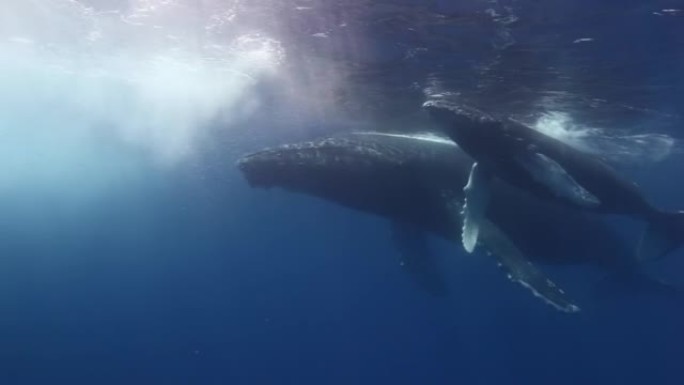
point(415, 181)
point(549, 169)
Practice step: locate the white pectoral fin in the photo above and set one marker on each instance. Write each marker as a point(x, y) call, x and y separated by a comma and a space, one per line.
point(551, 174)
point(520, 270)
point(477, 195)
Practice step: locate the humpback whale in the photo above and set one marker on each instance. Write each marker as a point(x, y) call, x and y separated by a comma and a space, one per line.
point(549, 169)
point(416, 180)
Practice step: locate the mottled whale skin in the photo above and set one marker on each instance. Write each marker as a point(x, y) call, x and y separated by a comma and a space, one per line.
point(412, 178)
point(555, 171)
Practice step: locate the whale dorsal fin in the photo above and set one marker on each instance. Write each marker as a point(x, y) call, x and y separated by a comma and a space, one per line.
point(520, 270)
point(548, 172)
point(477, 197)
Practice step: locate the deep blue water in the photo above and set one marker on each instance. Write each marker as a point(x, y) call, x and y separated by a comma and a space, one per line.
point(128, 260)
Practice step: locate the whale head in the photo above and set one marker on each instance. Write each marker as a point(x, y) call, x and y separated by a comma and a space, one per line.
point(317, 165)
point(460, 117)
point(469, 127)
point(404, 177)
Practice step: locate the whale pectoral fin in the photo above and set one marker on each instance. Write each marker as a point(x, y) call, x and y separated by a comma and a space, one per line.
point(417, 258)
point(548, 172)
point(477, 196)
point(520, 270)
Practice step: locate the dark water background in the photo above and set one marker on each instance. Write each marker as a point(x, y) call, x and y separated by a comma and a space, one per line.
point(185, 275)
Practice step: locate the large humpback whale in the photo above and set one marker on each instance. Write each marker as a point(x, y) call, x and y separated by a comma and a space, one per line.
point(417, 180)
point(550, 170)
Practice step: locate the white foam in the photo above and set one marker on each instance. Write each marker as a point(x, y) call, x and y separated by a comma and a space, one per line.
point(618, 148)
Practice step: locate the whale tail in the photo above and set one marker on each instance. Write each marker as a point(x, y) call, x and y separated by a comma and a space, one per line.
point(663, 235)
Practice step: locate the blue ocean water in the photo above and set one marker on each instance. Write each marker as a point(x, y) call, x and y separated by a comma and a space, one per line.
point(134, 252)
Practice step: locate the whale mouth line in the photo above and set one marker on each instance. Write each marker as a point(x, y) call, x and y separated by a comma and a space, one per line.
point(420, 136)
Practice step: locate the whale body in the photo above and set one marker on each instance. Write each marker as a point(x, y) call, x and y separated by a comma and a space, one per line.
point(416, 179)
point(550, 170)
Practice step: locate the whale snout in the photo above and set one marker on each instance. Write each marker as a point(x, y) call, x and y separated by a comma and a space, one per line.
point(461, 116)
point(296, 165)
point(260, 168)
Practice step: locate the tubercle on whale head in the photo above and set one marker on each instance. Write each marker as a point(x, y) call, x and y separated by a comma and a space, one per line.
point(293, 164)
point(460, 116)
point(270, 167)
point(255, 168)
